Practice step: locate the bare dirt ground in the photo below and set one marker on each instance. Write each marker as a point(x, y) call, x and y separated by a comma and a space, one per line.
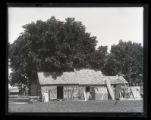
point(79, 106)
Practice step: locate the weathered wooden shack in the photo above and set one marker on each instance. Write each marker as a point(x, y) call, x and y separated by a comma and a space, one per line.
point(83, 84)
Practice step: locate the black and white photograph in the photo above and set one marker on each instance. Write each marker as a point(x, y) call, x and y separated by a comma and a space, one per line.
point(75, 59)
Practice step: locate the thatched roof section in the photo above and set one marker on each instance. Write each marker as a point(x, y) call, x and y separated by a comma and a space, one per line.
point(65, 78)
point(81, 77)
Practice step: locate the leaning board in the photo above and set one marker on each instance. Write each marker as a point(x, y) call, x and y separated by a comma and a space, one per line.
point(109, 87)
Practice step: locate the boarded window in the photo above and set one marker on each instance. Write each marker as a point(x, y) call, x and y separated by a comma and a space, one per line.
point(52, 92)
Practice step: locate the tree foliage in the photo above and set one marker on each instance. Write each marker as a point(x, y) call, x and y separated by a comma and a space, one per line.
point(98, 59)
point(52, 45)
point(126, 58)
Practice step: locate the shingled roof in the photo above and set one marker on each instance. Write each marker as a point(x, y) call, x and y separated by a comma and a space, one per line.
point(81, 77)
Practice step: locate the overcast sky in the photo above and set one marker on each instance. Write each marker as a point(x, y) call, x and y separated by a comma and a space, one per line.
point(108, 24)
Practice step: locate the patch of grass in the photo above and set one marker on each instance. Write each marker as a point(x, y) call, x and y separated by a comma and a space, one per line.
point(79, 106)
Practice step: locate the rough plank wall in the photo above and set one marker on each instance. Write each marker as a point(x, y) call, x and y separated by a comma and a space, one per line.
point(71, 92)
point(51, 90)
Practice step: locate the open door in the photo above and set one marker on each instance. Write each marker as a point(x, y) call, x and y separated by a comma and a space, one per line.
point(59, 92)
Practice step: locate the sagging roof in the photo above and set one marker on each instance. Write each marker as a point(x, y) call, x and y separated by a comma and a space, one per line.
point(81, 77)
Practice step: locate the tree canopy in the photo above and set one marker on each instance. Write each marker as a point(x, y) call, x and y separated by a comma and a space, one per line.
point(98, 59)
point(52, 45)
point(126, 58)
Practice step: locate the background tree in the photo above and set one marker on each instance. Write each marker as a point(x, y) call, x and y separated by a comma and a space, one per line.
point(126, 58)
point(52, 45)
point(98, 59)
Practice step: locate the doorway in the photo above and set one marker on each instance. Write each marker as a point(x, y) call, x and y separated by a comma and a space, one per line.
point(87, 89)
point(59, 92)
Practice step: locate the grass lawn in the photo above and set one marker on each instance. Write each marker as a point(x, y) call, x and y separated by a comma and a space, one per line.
point(79, 106)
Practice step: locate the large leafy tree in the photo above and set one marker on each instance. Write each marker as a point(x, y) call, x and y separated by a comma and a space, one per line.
point(126, 58)
point(59, 46)
point(52, 45)
point(98, 59)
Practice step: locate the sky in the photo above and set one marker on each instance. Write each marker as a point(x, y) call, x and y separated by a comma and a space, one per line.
point(108, 24)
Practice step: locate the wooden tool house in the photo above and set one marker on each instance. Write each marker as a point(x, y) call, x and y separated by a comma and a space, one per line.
point(84, 84)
